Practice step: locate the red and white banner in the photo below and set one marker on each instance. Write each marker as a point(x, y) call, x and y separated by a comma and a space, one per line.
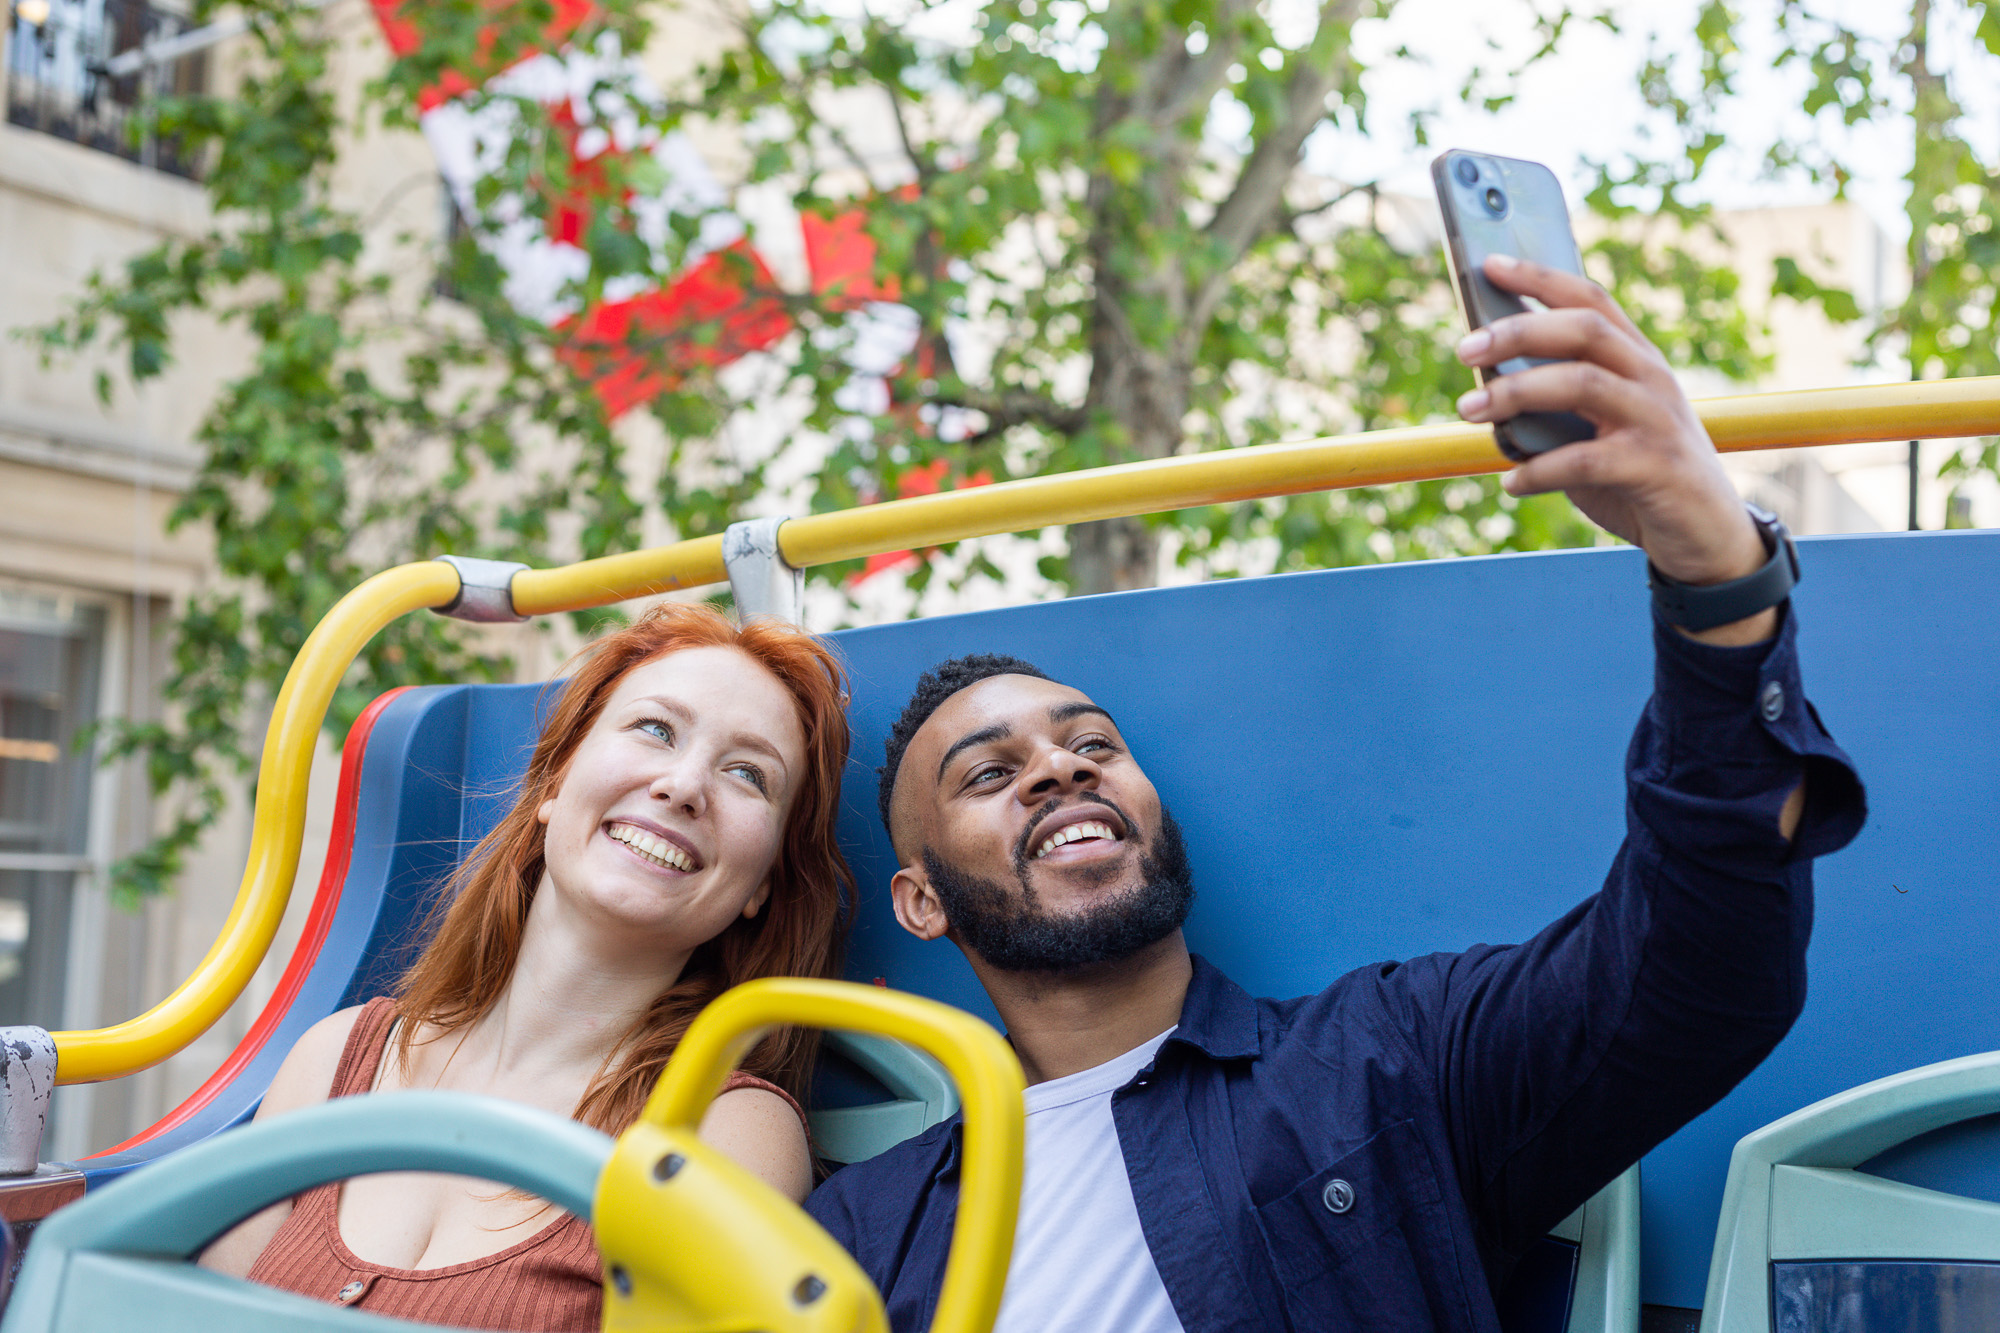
point(628, 343)
point(721, 305)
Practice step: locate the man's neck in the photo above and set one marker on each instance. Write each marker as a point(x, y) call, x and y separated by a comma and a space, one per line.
point(1063, 1024)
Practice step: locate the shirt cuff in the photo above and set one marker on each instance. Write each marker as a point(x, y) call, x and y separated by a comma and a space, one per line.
point(1725, 739)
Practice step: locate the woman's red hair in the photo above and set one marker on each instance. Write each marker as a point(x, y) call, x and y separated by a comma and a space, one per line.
point(800, 932)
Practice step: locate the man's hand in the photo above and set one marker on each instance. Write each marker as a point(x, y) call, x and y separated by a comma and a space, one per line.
point(1651, 476)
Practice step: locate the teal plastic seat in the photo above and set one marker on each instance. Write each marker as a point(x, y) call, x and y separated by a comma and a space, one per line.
point(119, 1259)
point(1583, 1277)
point(1808, 1242)
point(921, 1094)
point(1606, 1232)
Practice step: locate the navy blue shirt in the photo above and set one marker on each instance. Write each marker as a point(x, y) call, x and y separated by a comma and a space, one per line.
point(1470, 1100)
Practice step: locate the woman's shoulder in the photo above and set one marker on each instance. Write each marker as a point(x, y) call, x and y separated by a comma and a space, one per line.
point(771, 1098)
point(763, 1127)
point(307, 1073)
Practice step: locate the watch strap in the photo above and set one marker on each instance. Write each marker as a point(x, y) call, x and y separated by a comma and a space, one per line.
point(1698, 608)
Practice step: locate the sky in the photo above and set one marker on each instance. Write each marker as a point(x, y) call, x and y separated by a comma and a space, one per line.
point(1584, 102)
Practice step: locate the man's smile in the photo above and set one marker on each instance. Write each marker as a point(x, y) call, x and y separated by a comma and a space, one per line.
point(1091, 830)
point(1086, 831)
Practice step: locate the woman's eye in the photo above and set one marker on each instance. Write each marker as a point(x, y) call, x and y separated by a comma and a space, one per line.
point(751, 774)
point(657, 729)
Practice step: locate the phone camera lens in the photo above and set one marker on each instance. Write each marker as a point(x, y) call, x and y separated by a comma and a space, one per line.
point(1467, 171)
point(1496, 200)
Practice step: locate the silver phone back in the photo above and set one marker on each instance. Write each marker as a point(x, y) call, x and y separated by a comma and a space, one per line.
point(1502, 205)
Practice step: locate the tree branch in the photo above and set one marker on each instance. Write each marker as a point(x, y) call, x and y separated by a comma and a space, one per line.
point(924, 166)
point(1290, 218)
point(1260, 187)
point(1200, 77)
point(1015, 407)
point(802, 94)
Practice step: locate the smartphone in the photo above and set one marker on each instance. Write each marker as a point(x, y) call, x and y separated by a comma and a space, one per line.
point(1500, 205)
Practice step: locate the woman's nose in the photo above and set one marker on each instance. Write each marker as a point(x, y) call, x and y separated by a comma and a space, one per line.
point(682, 784)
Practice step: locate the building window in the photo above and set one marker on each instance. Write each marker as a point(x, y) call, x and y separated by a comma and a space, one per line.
point(51, 650)
point(56, 80)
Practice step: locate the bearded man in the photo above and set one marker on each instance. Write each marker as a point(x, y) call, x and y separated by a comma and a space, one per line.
point(1374, 1156)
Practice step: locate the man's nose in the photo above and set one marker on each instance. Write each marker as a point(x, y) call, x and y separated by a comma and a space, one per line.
point(1056, 771)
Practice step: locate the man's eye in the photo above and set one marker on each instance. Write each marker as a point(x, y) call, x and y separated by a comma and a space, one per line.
point(1092, 743)
point(751, 774)
point(988, 773)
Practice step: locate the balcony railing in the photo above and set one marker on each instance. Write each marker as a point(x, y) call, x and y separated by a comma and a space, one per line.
point(56, 80)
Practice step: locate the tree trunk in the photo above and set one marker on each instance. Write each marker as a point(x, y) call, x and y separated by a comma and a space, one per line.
point(1160, 277)
point(1112, 555)
point(1148, 401)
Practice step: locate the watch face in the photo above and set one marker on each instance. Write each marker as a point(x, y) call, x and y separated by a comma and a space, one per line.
point(1762, 517)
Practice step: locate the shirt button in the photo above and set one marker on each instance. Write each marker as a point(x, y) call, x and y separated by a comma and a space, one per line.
point(351, 1292)
point(1772, 702)
point(1338, 1196)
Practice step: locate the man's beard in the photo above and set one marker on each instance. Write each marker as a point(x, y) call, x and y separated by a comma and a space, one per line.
point(1018, 936)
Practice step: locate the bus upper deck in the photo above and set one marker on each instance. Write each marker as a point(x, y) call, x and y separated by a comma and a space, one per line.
point(1446, 731)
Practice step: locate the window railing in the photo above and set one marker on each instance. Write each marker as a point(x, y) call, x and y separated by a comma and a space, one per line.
point(57, 82)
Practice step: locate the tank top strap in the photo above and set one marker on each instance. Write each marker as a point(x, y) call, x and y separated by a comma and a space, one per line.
point(739, 1079)
point(367, 1042)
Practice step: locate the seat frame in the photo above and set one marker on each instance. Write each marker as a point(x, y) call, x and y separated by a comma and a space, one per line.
point(1794, 1193)
point(127, 1246)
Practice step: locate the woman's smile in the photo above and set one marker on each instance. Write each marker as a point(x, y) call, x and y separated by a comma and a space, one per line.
point(653, 846)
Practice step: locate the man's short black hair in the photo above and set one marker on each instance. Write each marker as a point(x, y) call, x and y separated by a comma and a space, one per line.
point(933, 688)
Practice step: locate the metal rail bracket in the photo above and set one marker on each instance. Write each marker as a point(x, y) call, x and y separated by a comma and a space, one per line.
point(763, 584)
point(27, 1077)
point(485, 591)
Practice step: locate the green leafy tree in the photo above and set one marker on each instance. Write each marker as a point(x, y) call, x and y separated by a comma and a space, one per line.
point(1107, 195)
point(1112, 195)
point(1903, 77)
point(365, 418)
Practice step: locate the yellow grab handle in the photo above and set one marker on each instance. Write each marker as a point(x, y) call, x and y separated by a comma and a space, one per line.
point(282, 777)
point(691, 1241)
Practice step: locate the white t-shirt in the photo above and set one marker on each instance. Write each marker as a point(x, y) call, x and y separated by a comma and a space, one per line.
point(1080, 1260)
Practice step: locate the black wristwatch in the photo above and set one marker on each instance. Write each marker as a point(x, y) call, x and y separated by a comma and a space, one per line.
point(1699, 608)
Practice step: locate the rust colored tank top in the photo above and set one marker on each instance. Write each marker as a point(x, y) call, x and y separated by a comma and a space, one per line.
point(551, 1281)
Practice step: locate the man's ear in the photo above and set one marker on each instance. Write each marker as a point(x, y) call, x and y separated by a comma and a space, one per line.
point(917, 907)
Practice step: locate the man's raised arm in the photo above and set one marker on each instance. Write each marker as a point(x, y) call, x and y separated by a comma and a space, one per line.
point(1564, 1059)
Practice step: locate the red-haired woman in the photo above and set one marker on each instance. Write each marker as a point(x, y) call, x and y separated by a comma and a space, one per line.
point(674, 836)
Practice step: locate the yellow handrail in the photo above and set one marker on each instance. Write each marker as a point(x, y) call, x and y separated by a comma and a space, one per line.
point(741, 1248)
point(1927, 409)
point(282, 778)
